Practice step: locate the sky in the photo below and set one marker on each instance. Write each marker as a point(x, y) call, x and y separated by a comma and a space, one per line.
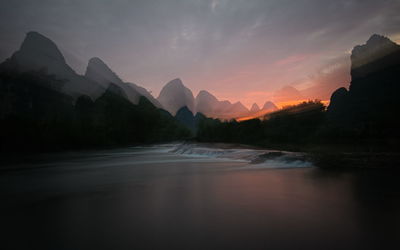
point(239, 50)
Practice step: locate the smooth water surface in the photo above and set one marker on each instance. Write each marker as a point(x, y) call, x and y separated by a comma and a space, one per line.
point(195, 197)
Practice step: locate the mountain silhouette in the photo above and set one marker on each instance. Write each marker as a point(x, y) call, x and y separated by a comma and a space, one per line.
point(46, 106)
point(99, 72)
point(368, 110)
point(366, 59)
point(174, 95)
point(185, 117)
point(209, 105)
point(37, 52)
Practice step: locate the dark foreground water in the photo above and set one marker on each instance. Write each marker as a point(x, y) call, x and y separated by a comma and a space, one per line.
point(194, 197)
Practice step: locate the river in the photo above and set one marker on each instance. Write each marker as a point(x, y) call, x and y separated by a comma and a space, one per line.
point(195, 196)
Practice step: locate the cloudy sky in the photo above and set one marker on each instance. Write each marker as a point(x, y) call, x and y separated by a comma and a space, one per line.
point(245, 50)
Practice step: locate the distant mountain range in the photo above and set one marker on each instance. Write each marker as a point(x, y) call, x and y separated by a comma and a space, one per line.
point(175, 95)
point(44, 102)
point(38, 52)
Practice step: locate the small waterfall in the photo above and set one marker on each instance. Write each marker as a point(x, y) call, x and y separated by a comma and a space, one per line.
point(255, 157)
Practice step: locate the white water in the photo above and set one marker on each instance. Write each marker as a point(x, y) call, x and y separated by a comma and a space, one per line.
point(257, 158)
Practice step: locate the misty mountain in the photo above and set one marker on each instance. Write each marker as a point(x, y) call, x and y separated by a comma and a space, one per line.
point(287, 93)
point(269, 106)
point(237, 109)
point(174, 95)
point(37, 52)
point(35, 116)
point(100, 73)
point(46, 106)
point(209, 105)
point(143, 92)
point(256, 112)
point(254, 108)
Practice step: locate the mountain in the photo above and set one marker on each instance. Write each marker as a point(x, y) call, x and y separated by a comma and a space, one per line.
point(46, 106)
point(186, 118)
point(287, 93)
point(209, 105)
point(374, 75)
point(37, 52)
point(269, 106)
point(368, 110)
point(364, 57)
point(174, 95)
point(99, 72)
point(206, 103)
point(256, 112)
point(35, 116)
point(224, 105)
point(254, 108)
point(143, 92)
point(237, 109)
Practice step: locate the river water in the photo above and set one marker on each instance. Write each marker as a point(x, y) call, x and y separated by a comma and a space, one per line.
point(195, 196)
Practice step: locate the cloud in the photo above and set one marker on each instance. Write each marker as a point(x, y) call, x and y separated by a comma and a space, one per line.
point(333, 75)
point(291, 60)
point(279, 42)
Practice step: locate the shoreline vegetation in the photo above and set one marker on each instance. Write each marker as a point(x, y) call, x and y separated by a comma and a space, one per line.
point(311, 132)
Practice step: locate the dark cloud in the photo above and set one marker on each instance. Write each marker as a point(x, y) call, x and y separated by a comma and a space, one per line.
point(219, 45)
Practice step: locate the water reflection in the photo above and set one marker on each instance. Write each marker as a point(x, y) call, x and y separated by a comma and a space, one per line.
point(121, 201)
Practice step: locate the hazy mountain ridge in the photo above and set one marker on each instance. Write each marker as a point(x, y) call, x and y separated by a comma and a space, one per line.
point(209, 105)
point(99, 72)
point(46, 106)
point(175, 95)
point(38, 52)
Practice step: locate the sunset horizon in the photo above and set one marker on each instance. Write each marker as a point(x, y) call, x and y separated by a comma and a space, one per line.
point(237, 51)
point(200, 124)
